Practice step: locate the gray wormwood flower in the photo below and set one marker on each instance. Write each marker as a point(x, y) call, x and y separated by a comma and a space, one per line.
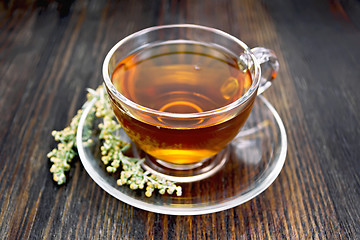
point(62, 156)
point(112, 150)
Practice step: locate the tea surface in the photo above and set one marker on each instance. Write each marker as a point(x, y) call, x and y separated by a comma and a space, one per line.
point(181, 78)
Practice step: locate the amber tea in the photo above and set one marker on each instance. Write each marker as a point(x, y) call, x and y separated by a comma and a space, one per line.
point(183, 78)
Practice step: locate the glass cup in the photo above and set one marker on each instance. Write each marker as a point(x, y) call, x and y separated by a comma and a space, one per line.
point(182, 93)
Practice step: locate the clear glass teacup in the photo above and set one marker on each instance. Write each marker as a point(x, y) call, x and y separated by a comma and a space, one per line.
point(183, 92)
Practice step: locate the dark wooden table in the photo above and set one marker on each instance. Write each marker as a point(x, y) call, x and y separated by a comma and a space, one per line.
point(51, 51)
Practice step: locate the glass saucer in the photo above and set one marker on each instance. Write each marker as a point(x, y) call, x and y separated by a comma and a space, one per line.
point(255, 158)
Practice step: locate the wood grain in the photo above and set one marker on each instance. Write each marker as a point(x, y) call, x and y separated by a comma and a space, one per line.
point(51, 51)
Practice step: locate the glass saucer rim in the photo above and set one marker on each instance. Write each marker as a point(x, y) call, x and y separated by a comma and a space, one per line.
point(184, 211)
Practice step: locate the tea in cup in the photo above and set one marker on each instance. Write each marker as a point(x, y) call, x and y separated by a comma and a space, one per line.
point(183, 92)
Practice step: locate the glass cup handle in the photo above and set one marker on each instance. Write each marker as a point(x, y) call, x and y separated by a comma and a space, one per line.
point(269, 67)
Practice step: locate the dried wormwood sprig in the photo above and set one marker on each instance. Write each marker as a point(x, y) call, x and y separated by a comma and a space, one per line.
point(64, 153)
point(112, 150)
